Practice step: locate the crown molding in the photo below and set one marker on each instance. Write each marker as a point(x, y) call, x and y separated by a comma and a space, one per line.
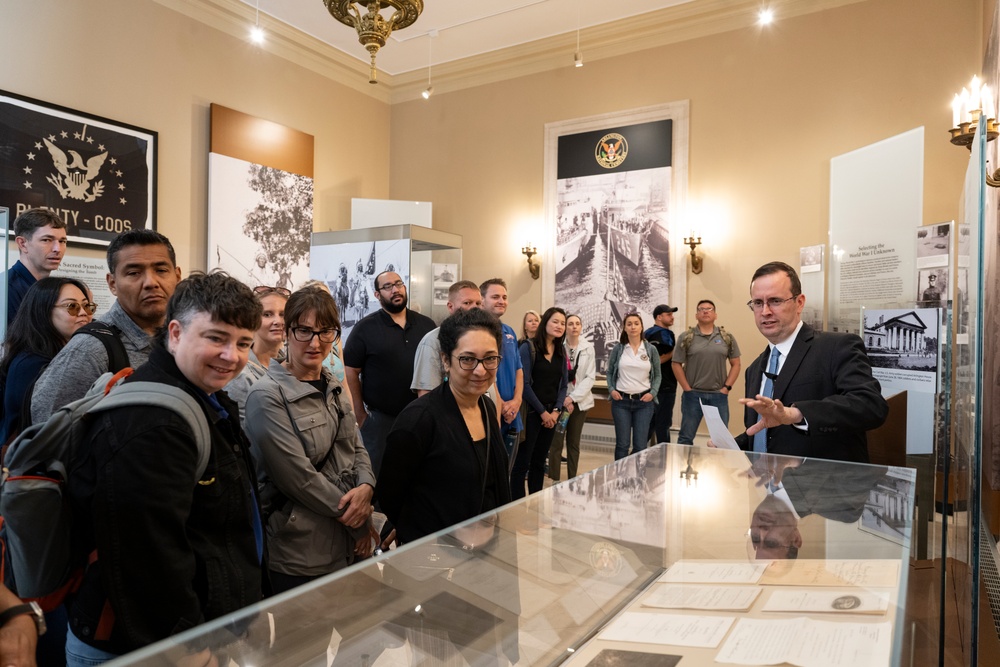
point(675, 24)
point(234, 18)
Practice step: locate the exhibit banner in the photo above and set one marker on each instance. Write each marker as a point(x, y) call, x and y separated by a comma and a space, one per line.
point(614, 186)
point(260, 200)
point(876, 200)
point(97, 174)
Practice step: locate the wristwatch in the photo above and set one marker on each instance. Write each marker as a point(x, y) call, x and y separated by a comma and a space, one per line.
point(728, 387)
point(31, 608)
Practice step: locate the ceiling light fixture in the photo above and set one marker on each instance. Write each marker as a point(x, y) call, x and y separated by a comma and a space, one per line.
point(374, 28)
point(256, 32)
point(765, 16)
point(430, 61)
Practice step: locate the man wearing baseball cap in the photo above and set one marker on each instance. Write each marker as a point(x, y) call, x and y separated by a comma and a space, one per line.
point(663, 340)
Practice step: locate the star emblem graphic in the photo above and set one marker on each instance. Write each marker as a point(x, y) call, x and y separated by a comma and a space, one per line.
point(122, 200)
point(100, 147)
point(64, 134)
point(27, 170)
point(118, 173)
point(121, 186)
point(38, 145)
point(114, 161)
point(27, 185)
point(76, 135)
point(31, 156)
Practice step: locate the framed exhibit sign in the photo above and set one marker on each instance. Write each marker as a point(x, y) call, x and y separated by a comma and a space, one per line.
point(98, 175)
point(615, 186)
point(260, 199)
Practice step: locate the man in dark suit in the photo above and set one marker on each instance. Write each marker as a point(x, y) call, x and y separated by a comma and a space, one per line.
point(824, 397)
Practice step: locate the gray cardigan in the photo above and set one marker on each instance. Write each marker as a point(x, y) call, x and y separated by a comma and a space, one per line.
point(292, 428)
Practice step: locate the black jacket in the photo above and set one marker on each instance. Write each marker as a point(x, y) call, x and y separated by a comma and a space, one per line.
point(173, 552)
point(431, 477)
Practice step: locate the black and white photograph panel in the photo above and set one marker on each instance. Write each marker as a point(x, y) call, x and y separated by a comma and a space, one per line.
point(811, 258)
point(903, 339)
point(932, 287)
point(612, 250)
point(259, 222)
point(934, 241)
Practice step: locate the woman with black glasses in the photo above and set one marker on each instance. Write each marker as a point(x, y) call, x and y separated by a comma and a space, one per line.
point(267, 344)
point(444, 460)
point(316, 479)
point(52, 310)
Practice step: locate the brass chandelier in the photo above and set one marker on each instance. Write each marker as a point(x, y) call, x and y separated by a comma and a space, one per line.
point(373, 28)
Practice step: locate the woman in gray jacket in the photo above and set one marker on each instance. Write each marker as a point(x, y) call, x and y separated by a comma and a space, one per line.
point(316, 479)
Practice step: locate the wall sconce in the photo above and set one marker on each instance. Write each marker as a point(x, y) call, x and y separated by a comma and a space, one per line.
point(696, 261)
point(973, 106)
point(529, 251)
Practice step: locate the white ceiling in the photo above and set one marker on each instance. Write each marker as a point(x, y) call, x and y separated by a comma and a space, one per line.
point(464, 27)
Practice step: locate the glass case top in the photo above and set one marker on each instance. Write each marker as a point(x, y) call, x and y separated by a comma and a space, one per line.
point(673, 552)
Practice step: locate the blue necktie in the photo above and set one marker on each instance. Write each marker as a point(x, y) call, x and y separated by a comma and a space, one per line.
point(760, 440)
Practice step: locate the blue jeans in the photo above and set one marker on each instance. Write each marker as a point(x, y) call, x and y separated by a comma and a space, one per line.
point(632, 418)
point(79, 654)
point(691, 412)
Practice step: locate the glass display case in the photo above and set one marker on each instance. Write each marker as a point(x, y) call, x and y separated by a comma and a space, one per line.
point(677, 553)
point(427, 260)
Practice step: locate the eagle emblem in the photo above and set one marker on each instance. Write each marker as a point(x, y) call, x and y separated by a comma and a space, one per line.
point(612, 149)
point(74, 175)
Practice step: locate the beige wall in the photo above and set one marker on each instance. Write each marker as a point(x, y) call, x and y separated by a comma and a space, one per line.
point(769, 109)
point(137, 62)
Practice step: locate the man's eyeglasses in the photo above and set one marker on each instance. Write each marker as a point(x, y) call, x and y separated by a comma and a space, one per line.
point(74, 308)
point(773, 303)
point(467, 363)
point(305, 334)
point(388, 287)
point(264, 290)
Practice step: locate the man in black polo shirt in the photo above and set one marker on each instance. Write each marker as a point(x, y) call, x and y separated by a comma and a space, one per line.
point(378, 362)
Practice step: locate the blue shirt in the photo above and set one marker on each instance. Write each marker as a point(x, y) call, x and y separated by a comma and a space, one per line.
point(507, 371)
point(19, 281)
point(663, 340)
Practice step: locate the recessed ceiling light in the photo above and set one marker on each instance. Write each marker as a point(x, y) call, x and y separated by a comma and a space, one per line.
point(765, 16)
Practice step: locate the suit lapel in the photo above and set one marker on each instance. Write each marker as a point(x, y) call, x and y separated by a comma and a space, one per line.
point(800, 348)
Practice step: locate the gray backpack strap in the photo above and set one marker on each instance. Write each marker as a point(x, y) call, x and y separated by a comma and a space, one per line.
point(165, 396)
